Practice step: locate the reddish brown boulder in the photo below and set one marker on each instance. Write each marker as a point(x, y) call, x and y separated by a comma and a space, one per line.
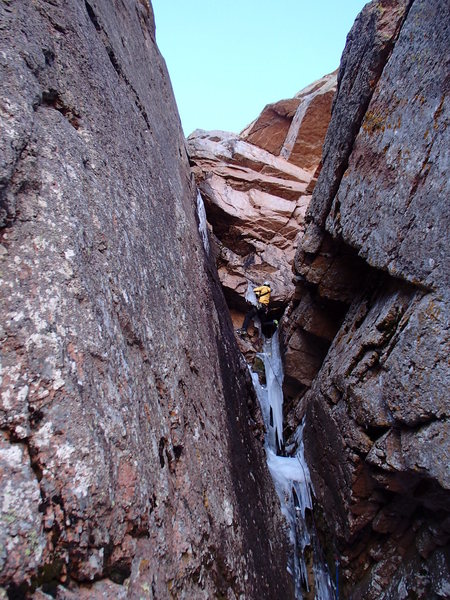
point(270, 129)
point(295, 128)
point(257, 187)
point(255, 203)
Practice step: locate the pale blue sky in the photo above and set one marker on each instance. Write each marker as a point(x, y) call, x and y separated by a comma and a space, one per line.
point(227, 60)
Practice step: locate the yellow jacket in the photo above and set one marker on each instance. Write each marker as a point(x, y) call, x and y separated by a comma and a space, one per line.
point(263, 294)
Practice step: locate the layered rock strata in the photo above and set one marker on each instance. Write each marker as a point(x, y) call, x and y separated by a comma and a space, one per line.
point(255, 204)
point(256, 187)
point(127, 465)
point(377, 432)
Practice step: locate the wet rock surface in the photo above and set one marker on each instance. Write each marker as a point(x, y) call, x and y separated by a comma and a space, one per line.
point(128, 462)
point(377, 431)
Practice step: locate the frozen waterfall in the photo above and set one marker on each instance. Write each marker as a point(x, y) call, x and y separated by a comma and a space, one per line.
point(291, 477)
point(250, 295)
point(202, 223)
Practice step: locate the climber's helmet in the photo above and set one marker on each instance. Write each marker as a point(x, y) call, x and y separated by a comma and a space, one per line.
point(267, 283)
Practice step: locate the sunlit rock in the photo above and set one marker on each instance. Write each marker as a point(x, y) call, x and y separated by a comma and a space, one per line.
point(255, 203)
point(295, 128)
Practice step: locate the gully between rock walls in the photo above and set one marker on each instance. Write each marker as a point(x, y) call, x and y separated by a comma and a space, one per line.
point(292, 481)
point(365, 340)
point(287, 465)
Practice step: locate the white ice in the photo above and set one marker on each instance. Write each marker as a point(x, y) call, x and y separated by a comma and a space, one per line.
point(202, 223)
point(272, 403)
point(290, 474)
point(250, 295)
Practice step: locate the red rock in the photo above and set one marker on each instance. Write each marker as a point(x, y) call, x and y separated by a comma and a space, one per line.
point(270, 129)
point(295, 129)
point(255, 203)
point(257, 187)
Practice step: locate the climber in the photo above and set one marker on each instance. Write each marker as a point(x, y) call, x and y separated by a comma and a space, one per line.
point(262, 292)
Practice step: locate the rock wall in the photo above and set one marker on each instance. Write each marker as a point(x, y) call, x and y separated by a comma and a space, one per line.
point(377, 431)
point(295, 128)
point(257, 186)
point(130, 464)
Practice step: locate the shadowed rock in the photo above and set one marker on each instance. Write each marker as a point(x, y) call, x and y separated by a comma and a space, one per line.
point(375, 242)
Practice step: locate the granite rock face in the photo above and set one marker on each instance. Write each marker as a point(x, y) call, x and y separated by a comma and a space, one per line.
point(368, 46)
point(401, 152)
point(127, 464)
point(375, 243)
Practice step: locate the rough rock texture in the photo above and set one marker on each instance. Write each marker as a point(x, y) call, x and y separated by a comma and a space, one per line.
point(361, 65)
point(256, 188)
point(402, 152)
point(376, 244)
point(255, 203)
point(127, 465)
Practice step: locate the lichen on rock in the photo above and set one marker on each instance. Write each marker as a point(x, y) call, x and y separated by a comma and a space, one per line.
point(122, 388)
point(379, 399)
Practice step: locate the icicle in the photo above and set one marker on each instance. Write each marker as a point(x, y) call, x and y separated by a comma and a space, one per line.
point(274, 377)
point(202, 223)
point(250, 295)
point(272, 402)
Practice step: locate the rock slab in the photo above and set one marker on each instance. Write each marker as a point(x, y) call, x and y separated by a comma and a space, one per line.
point(127, 464)
point(257, 186)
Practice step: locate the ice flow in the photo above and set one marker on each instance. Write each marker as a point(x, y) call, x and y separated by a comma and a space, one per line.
point(291, 478)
